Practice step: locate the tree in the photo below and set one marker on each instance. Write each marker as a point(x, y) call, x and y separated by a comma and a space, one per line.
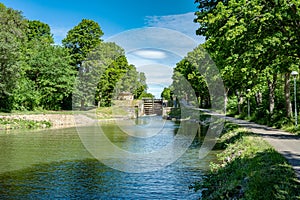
point(166, 94)
point(47, 74)
point(12, 38)
point(110, 78)
point(40, 31)
point(252, 43)
point(198, 71)
point(146, 95)
point(91, 71)
point(132, 81)
point(82, 39)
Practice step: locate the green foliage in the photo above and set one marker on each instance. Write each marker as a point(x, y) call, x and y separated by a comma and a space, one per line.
point(6, 123)
point(90, 72)
point(49, 76)
point(12, 38)
point(104, 74)
point(248, 169)
point(191, 75)
point(35, 74)
point(166, 94)
point(39, 31)
point(255, 44)
point(82, 39)
point(175, 113)
point(132, 81)
point(110, 78)
point(146, 95)
point(26, 96)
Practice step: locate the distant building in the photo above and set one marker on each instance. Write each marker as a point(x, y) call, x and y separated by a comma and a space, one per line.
point(125, 96)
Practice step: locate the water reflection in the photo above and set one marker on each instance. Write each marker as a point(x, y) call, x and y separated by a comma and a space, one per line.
point(54, 164)
point(136, 154)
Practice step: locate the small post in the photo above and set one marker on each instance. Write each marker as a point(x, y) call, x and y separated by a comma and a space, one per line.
point(248, 90)
point(225, 103)
point(152, 105)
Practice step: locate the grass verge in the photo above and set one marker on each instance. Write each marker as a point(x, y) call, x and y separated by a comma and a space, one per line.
point(248, 168)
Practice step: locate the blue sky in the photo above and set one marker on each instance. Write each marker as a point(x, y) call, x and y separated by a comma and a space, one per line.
point(113, 16)
point(116, 17)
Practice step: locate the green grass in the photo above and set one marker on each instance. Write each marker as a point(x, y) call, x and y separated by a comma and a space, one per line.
point(292, 128)
point(111, 112)
point(248, 168)
point(6, 124)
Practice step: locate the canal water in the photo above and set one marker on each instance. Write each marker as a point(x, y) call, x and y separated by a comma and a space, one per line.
point(54, 164)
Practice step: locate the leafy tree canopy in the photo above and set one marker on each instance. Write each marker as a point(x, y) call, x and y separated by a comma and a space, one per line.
point(12, 38)
point(252, 42)
point(82, 39)
point(39, 30)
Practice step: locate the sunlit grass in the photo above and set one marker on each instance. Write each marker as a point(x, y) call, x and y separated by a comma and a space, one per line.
point(248, 168)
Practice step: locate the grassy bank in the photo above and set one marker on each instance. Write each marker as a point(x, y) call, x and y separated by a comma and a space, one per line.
point(6, 124)
point(248, 168)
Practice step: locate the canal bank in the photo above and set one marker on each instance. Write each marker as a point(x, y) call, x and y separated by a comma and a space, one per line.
point(257, 162)
point(287, 144)
point(248, 168)
point(19, 121)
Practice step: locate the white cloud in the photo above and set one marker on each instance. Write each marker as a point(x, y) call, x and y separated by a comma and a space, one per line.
point(142, 57)
point(150, 54)
point(183, 23)
point(155, 51)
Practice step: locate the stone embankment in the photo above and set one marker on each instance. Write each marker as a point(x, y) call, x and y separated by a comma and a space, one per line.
point(57, 120)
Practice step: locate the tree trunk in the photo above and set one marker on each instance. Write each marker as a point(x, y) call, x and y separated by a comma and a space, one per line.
point(258, 98)
point(240, 101)
point(287, 94)
point(99, 101)
point(271, 86)
point(82, 102)
point(201, 102)
point(226, 99)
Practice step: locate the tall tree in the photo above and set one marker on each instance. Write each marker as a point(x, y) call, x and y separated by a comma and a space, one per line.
point(48, 75)
point(12, 38)
point(91, 71)
point(40, 31)
point(252, 42)
point(82, 39)
point(132, 81)
point(110, 78)
point(197, 69)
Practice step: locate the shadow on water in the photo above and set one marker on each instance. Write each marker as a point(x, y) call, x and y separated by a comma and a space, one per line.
point(90, 179)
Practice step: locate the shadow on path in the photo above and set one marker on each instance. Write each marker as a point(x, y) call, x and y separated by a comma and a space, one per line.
point(285, 143)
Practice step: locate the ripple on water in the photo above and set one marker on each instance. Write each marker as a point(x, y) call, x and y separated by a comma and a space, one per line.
point(54, 164)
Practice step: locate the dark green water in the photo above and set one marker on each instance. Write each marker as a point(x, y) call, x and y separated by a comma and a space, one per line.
point(53, 164)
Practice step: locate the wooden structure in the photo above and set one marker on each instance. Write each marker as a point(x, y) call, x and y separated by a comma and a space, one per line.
point(153, 106)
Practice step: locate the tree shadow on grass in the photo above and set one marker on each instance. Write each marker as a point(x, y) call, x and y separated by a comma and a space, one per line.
point(264, 176)
point(227, 139)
